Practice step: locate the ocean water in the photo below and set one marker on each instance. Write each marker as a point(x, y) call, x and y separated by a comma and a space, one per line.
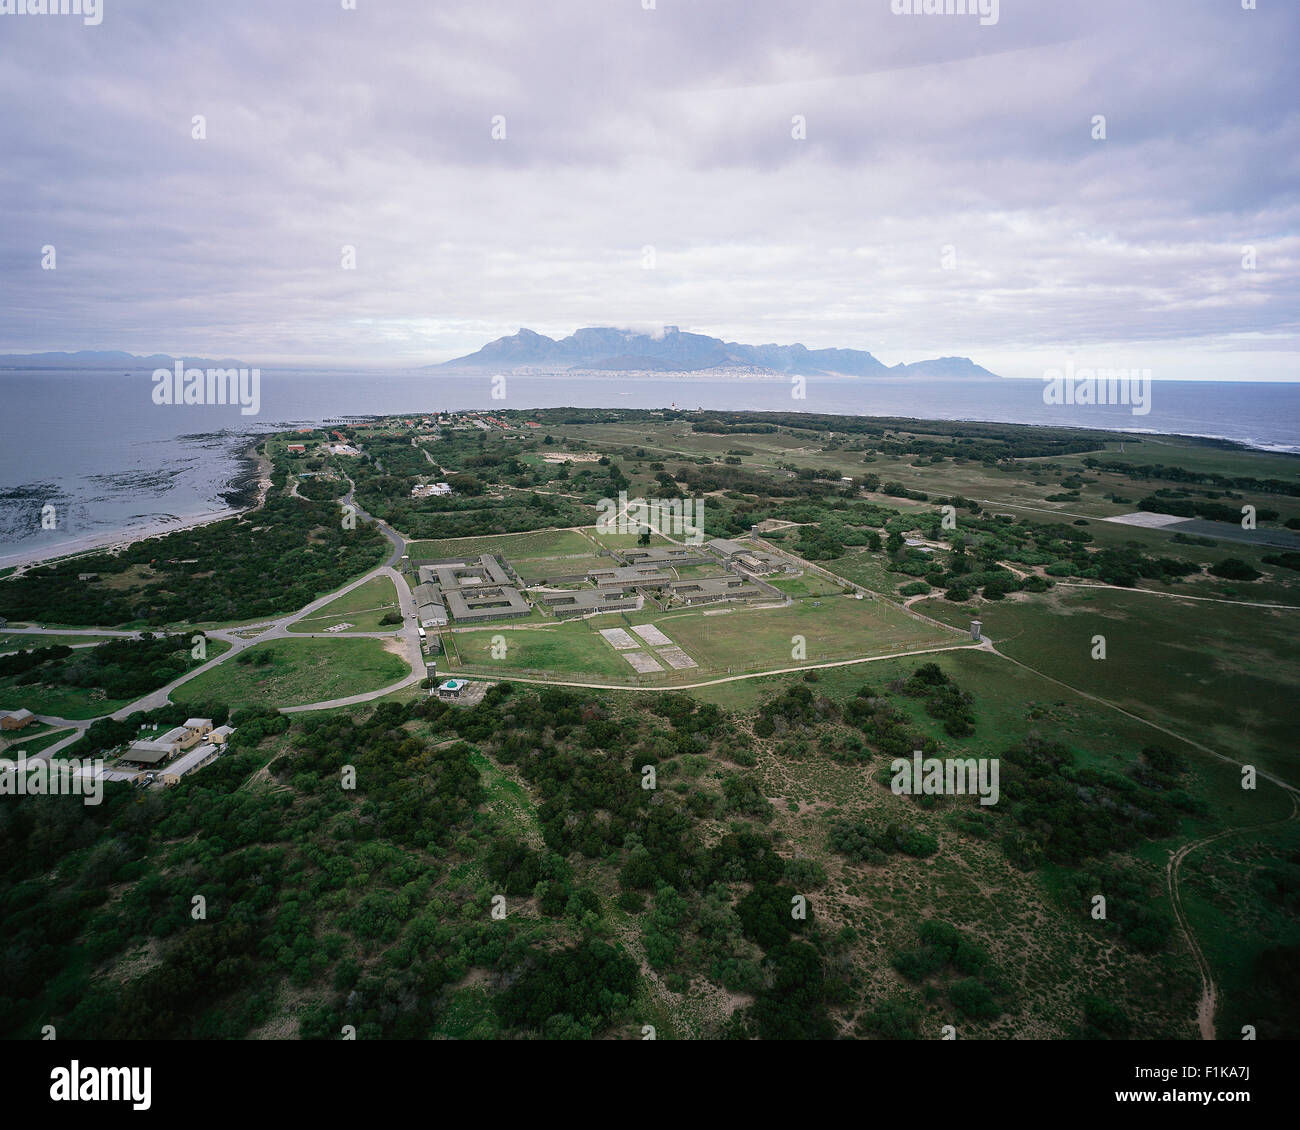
point(110, 461)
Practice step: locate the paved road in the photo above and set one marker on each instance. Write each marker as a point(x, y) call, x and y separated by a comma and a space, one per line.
point(274, 630)
point(68, 632)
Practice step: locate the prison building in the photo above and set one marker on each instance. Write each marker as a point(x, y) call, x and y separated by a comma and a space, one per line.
point(584, 602)
point(708, 589)
point(629, 577)
point(500, 602)
point(459, 573)
point(760, 563)
point(665, 555)
point(727, 549)
point(430, 612)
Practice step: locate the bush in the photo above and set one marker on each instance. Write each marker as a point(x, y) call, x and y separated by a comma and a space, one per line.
point(1234, 569)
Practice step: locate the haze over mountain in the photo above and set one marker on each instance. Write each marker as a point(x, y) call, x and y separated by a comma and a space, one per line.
point(107, 359)
point(615, 350)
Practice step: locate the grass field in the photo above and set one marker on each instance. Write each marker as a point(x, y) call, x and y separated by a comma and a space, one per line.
point(807, 585)
point(1208, 671)
point(534, 544)
point(612, 540)
point(568, 649)
point(722, 640)
point(362, 607)
point(29, 747)
point(300, 671)
point(836, 627)
point(532, 569)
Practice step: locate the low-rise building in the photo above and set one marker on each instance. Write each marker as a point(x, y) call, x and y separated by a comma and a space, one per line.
point(431, 490)
point(149, 753)
point(459, 573)
point(727, 549)
point(16, 719)
point(430, 612)
point(629, 576)
point(665, 555)
point(584, 602)
point(197, 758)
point(498, 602)
point(221, 735)
point(708, 589)
point(753, 561)
point(199, 727)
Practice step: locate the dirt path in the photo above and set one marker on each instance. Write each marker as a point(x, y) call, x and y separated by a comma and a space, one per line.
point(1179, 595)
point(1209, 1002)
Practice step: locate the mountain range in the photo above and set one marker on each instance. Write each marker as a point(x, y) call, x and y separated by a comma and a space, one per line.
point(107, 359)
point(615, 350)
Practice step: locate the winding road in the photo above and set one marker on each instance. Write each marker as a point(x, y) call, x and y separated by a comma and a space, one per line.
point(242, 637)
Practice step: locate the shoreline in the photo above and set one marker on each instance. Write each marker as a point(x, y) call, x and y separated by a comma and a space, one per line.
point(131, 535)
point(260, 465)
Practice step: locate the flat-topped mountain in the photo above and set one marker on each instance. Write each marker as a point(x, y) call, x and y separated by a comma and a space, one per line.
point(673, 351)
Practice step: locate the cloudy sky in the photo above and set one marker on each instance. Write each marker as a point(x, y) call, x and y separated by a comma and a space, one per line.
point(949, 196)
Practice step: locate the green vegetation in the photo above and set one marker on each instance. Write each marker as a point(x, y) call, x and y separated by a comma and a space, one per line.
point(364, 607)
point(86, 682)
point(290, 672)
point(727, 861)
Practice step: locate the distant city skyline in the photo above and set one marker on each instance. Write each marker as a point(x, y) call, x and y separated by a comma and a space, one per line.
point(830, 174)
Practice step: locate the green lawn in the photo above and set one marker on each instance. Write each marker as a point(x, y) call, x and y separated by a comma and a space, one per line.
point(28, 747)
point(721, 639)
point(363, 607)
point(300, 671)
point(566, 649)
point(533, 544)
point(532, 569)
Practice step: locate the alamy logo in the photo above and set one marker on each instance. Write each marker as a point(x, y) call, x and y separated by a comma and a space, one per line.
point(1099, 386)
point(213, 386)
point(953, 776)
point(102, 1084)
point(677, 517)
point(987, 10)
point(91, 11)
point(62, 778)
